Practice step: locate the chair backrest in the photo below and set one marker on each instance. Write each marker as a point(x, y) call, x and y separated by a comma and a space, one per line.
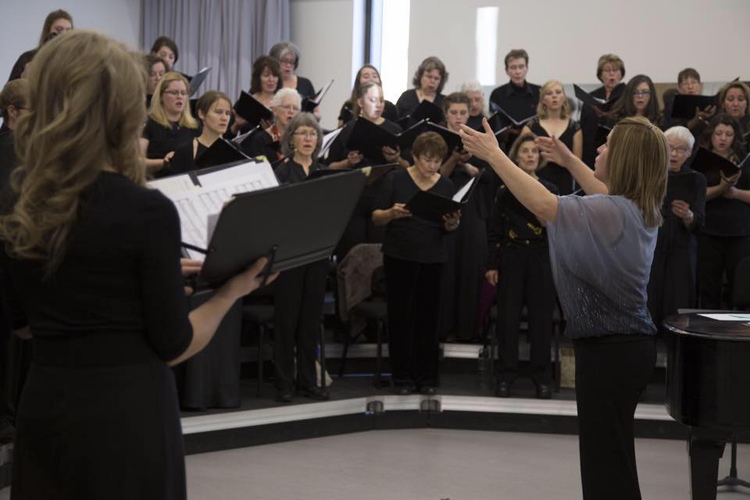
point(741, 285)
point(354, 275)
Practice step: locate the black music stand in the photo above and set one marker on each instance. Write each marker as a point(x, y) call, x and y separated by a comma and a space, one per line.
point(732, 482)
point(293, 225)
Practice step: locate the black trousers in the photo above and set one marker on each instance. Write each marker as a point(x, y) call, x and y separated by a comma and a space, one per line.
point(525, 277)
point(298, 306)
point(718, 255)
point(611, 374)
point(413, 297)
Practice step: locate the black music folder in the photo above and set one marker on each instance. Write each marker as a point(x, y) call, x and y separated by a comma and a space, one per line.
point(500, 115)
point(196, 80)
point(712, 165)
point(221, 152)
point(293, 225)
point(681, 187)
point(426, 110)
point(369, 139)
point(310, 103)
point(252, 110)
point(592, 101)
point(684, 105)
point(433, 207)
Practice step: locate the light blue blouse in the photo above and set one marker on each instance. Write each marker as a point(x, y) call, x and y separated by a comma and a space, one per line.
point(601, 253)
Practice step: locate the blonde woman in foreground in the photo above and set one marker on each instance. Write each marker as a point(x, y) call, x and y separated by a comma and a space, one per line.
point(601, 248)
point(91, 271)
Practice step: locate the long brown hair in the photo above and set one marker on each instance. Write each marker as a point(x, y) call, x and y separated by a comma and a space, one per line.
point(637, 164)
point(49, 21)
point(85, 113)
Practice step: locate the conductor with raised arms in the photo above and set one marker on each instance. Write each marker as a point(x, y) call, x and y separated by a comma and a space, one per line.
point(91, 270)
point(601, 248)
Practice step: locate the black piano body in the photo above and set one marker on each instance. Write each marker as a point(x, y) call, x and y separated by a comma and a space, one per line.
point(708, 389)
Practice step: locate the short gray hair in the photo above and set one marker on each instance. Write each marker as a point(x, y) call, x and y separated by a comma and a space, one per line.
point(472, 86)
point(281, 49)
point(301, 120)
point(283, 93)
point(682, 134)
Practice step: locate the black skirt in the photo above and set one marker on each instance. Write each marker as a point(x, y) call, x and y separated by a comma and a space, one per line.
point(98, 418)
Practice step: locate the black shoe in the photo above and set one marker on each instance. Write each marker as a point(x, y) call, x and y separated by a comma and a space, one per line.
point(428, 390)
point(503, 389)
point(403, 390)
point(284, 396)
point(543, 391)
point(315, 393)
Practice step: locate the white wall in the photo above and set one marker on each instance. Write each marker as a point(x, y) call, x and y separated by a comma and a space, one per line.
point(564, 39)
point(322, 29)
point(22, 23)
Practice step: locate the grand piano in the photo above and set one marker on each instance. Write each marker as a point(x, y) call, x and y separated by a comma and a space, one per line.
point(708, 389)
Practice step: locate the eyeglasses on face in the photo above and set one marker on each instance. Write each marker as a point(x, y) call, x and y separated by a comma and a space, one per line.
point(641, 93)
point(307, 134)
point(288, 107)
point(679, 150)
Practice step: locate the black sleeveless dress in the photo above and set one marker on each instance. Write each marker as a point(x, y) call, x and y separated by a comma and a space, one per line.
point(552, 172)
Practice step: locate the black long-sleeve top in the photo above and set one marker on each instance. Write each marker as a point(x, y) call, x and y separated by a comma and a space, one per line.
point(673, 234)
point(519, 102)
point(412, 238)
point(120, 272)
point(292, 172)
point(593, 135)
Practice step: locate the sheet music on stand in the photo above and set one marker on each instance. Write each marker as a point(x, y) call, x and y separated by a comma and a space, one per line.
point(201, 195)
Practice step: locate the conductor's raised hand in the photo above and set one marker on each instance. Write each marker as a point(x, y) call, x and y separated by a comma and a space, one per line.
point(480, 144)
point(248, 281)
point(554, 150)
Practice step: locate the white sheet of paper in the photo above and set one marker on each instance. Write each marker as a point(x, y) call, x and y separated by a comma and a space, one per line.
point(195, 204)
point(727, 316)
point(462, 192)
point(328, 140)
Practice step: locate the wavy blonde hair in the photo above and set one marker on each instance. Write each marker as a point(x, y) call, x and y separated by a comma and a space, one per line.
point(156, 111)
point(85, 113)
point(541, 108)
point(637, 164)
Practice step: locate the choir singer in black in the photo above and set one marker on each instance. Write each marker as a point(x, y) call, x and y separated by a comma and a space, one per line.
point(414, 252)
point(601, 247)
point(672, 282)
point(298, 305)
point(90, 269)
point(520, 268)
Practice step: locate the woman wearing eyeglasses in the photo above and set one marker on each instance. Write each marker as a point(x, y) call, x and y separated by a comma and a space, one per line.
point(638, 99)
point(610, 70)
point(673, 271)
point(288, 56)
point(298, 304)
point(286, 104)
point(170, 123)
